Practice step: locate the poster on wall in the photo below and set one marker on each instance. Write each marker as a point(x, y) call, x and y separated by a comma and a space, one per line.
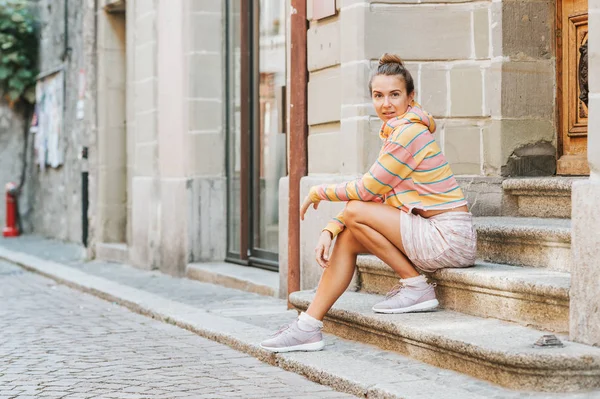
point(49, 111)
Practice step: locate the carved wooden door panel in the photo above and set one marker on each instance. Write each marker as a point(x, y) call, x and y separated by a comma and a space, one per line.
point(572, 36)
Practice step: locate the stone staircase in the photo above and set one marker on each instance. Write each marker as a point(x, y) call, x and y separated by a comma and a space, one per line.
point(491, 314)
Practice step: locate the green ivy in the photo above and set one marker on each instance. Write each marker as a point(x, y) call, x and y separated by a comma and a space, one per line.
point(18, 50)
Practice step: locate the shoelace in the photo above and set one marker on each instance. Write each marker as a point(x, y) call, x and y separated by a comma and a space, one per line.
point(396, 289)
point(281, 330)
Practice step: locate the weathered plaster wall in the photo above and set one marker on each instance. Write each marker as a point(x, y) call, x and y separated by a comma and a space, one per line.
point(55, 194)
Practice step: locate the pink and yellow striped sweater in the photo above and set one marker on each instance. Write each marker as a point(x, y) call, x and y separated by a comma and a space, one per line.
point(410, 172)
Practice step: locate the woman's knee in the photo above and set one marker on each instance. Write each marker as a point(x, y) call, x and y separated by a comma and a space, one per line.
point(352, 211)
point(348, 243)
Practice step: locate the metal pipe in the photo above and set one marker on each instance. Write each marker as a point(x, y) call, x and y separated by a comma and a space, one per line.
point(298, 137)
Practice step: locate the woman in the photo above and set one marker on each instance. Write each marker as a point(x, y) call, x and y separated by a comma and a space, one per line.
point(408, 210)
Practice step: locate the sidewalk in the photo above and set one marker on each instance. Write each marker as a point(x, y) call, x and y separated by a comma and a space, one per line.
point(241, 320)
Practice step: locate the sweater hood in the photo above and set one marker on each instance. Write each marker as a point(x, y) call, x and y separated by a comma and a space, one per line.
point(414, 114)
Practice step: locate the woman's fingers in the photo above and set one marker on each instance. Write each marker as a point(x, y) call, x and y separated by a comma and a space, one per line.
point(319, 255)
point(304, 207)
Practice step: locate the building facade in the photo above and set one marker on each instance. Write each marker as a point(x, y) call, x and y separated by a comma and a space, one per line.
point(186, 122)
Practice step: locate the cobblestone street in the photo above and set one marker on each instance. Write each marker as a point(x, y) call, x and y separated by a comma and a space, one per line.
point(60, 343)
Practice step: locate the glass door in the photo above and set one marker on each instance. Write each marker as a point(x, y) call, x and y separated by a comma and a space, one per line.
point(256, 129)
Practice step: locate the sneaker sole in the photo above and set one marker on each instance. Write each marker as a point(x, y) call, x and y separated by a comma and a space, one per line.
point(315, 346)
point(419, 307)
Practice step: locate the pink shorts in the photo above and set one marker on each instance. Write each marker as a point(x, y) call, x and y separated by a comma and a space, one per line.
point(445, 240)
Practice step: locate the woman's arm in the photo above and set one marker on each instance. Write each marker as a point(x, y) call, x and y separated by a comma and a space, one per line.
point(394, 164)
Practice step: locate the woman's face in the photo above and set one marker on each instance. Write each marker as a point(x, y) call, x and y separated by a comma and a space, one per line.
point(389, 96)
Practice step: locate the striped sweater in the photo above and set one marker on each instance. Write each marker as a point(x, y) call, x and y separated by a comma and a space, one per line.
point(410, 172)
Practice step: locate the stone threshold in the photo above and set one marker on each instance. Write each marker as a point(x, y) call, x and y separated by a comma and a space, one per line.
point(486, 348)
point(373, 374)
point(244, 278)
point(112, 252)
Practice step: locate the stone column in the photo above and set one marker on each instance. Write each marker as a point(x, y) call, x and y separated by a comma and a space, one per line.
point(585, 240)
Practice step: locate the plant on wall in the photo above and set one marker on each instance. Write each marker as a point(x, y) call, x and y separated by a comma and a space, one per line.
point(18, 51)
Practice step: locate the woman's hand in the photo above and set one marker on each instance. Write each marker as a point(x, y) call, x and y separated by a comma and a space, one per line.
point(322, 249)
point(306, 204)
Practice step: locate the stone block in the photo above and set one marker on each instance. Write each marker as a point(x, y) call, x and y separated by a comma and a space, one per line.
point(311, 227)
point(206, 154)
point(205, 115)
point(112, 186)
point(496, 28)
point(146, 128)
point(493, 159)
point(492, 90)
point(116, 112)
point(466, 91)
point(528, 90)
point(112, 222)
point(484, 194)
point(321, 142)
point(593, 144)
point(206, 30)
point(533, 20)
point(146, 159)
point(324, 96)
point(323, 44)
point(585, 274)
point(356, 98)
point(174, 242)
point(144, 6)
point(206, 6)
point(207, 215)
point(145, 65)
point(143, 218)
point(481, 31)
point(284, 199)
point(462, 149)
point(434, 89)
point(207, 79)
point(146, 96)
point(145, 28)
point(517, 134)
point(446, 24)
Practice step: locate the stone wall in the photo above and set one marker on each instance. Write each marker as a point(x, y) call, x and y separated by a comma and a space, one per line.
point(485, 70)
point(176, 145)
point(55, 193)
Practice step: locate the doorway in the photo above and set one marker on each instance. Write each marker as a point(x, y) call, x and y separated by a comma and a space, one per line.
point(255, 123)
point(572, 36)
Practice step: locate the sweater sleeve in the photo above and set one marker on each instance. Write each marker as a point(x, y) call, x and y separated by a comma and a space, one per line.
point(394, 164)
point(336, 225)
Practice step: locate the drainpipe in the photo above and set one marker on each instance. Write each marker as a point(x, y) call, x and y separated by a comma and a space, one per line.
point(298, 137)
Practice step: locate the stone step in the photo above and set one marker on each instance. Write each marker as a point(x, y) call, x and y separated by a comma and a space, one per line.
point(531, 297)
point(521, 241)
point(489, 349)
point(245, 278)
point(546, 197)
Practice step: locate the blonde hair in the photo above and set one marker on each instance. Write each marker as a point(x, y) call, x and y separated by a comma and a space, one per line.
point(392, 65)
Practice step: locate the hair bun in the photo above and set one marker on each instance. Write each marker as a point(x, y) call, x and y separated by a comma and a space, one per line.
point(387, 58)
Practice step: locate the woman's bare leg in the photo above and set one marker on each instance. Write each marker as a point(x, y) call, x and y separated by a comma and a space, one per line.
point(377, 227)
point(336, 278)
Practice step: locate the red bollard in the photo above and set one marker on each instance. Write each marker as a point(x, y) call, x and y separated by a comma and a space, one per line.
point(11, 229)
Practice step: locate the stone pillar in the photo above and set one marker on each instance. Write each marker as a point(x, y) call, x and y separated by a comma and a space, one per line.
point(172, 136)
point(585, 240)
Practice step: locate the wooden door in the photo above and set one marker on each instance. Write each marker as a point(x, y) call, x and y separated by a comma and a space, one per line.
point(572, 36)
